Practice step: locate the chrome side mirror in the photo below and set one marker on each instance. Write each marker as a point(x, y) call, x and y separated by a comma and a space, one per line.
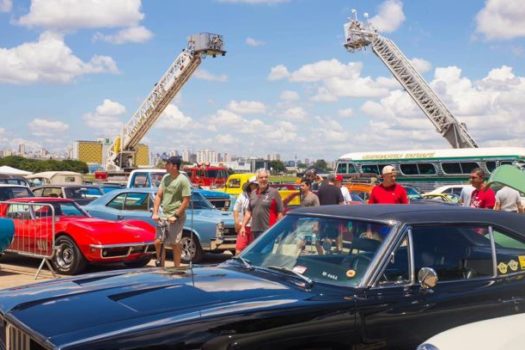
point(427, 277)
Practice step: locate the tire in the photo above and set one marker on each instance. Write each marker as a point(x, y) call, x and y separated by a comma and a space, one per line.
point(191, 248)
point(141, 262)
point(68, 259)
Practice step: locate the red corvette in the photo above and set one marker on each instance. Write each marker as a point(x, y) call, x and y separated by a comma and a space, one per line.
point(79, 239)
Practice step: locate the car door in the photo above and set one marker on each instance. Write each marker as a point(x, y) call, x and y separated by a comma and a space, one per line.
point(396, 311)
point(111, 210)
point(137, 205)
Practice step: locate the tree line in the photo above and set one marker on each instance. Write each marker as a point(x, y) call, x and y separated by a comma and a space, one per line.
point(38, 165)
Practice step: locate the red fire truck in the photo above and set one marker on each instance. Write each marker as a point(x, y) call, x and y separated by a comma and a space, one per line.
point(207, 176)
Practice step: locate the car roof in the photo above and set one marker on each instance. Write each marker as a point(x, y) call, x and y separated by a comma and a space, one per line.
point(42, 200)
point(418, 214)
point(68, 185)
point(10, 185)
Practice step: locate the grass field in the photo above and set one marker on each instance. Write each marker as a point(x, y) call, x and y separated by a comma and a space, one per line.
point(284, 179)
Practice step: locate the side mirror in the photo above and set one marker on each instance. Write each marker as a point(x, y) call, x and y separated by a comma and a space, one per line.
point(427, 277)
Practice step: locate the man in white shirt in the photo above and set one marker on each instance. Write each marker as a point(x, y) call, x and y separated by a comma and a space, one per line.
point(508, 199)
point(344, 190)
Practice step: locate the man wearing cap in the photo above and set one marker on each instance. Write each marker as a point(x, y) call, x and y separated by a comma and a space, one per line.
point(388, 192)
point(265, 209)
point(173, 197)
point(344, 190)
point(239, 211)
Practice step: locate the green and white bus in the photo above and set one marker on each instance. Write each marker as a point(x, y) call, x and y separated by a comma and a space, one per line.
point(430, 168)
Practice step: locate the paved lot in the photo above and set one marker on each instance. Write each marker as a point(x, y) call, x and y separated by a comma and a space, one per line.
point(18, 270)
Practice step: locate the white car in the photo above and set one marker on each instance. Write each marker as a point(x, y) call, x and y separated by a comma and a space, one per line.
point(452, 190)
point(502, 333)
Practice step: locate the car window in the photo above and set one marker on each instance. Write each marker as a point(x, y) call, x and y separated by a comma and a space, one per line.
point(136, 201)
point(117, 202)
point(68, 209)
point(140, 180)
point(38, 192)
point(455, 252)
point(19, 211)
point(52, 192)
point(198, 201)
point(7, 193)
point(234, 183)
point(328, 250)
point(397, 270)
point(510, 252)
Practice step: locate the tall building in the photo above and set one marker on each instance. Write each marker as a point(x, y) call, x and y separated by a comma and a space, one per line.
point(22, 149)
point(186, 154)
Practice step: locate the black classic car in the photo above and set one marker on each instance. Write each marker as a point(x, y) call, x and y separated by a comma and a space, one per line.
point(331, 277)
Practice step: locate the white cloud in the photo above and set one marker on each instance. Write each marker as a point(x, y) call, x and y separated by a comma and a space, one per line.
point(254, 42)
point(390, 16)
point(295, 114)
point(501, 19)
point(347, 112)
point(226, 139)
point(48, 60)
point(107, 118)
point(75, 14)
point(173, 118)
point(332, 131)
point(278, 72)
point(6, 5)
point(326, 69)
point(421, 65)
point(289, 95)
point(247, 107)
point(226, 118)
point(205, 75)
point(137, 34)
point(47, 128)
point(254, 2)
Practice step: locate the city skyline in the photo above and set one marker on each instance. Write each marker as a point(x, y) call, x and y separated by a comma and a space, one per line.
point(78, 69)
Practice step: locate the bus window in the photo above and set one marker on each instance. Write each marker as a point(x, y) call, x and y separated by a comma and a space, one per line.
point(451, 168)
point(370, 168)
point(409, 169)
point(426, 168)
point(467, 168)
point(342, 168)
point(351, 169)
point(503, 162)
point(490, 166)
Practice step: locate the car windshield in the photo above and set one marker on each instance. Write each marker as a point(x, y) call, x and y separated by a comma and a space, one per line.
point(14, 192)
point(60, 209)
point(83, 192)
point(198, 201)
point(327, 250)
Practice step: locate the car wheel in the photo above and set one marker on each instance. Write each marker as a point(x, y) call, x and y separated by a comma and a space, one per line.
point(68, 259)
point(191, 248)
point(141, 262)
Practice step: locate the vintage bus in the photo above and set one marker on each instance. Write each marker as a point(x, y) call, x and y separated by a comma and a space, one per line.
point(429, 168)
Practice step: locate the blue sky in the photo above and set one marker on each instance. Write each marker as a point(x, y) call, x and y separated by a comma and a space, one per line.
point(77, 69)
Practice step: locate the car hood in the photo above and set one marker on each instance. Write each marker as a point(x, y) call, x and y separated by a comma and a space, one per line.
point(211, 215)
point(91, 305)
point(213, 194)
point(106, 231)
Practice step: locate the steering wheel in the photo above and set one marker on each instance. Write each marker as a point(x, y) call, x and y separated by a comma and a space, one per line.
point(360, 262)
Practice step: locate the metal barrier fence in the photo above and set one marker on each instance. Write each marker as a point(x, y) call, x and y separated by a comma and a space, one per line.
point(34, 230)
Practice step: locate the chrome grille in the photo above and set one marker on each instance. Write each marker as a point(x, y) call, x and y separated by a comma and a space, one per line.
point(16, 339)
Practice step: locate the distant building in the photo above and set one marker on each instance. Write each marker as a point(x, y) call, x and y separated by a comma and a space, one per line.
point(94, 152)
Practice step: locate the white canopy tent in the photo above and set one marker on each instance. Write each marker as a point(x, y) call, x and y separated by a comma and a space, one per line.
point(5, 169)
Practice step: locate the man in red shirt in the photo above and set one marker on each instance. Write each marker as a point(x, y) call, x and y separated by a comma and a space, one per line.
point(388, 192)
point(482, 196)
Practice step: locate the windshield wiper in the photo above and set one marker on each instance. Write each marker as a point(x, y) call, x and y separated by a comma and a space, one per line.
point(245, 262)
point(309, 282)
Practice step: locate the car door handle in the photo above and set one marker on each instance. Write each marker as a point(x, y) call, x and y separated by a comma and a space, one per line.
point(512, 300)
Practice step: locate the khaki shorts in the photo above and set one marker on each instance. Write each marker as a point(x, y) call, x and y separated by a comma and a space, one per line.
point(173, 233)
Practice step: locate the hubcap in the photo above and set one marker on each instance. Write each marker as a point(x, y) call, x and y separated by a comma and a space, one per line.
point(64, 255)
point(188, 248)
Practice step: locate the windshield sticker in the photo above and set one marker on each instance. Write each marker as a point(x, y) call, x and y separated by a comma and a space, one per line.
point(502, 267)
point(299, 269)
point(521, 258)
point(513, 264)
point(350, 273)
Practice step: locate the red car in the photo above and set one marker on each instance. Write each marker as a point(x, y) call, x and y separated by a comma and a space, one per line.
point(78, 238)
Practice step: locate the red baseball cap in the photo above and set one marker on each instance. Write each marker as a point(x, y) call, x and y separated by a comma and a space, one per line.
point(339, 178)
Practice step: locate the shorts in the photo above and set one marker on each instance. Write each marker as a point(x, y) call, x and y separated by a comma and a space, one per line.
point(243, 241)
point(173, 233)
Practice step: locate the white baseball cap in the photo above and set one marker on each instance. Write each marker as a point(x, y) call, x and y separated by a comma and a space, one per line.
point(388, 169)
point(253, 180)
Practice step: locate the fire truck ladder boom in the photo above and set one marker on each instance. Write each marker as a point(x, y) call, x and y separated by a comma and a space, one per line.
point(359, 36)
point(199, 46)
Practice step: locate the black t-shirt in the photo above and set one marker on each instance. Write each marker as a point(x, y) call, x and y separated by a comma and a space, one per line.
point(330, 194)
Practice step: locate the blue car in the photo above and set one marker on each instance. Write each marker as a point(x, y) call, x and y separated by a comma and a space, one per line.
point(206, 228)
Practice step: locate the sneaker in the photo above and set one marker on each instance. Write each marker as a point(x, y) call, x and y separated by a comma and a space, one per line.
point(157, 263)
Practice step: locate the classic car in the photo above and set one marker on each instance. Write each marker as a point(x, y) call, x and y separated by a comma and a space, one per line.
point(205, 229)
point(500, 333)
point(329, 277)
point(82, 194)
point(78, 238)
point(8, 192)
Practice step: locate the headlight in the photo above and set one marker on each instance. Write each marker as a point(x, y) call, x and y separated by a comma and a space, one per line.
point(219, 230)
point(427, 346)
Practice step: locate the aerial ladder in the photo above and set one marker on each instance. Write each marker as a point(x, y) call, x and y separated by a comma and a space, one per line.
point(359, 36)
point(121, 153)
